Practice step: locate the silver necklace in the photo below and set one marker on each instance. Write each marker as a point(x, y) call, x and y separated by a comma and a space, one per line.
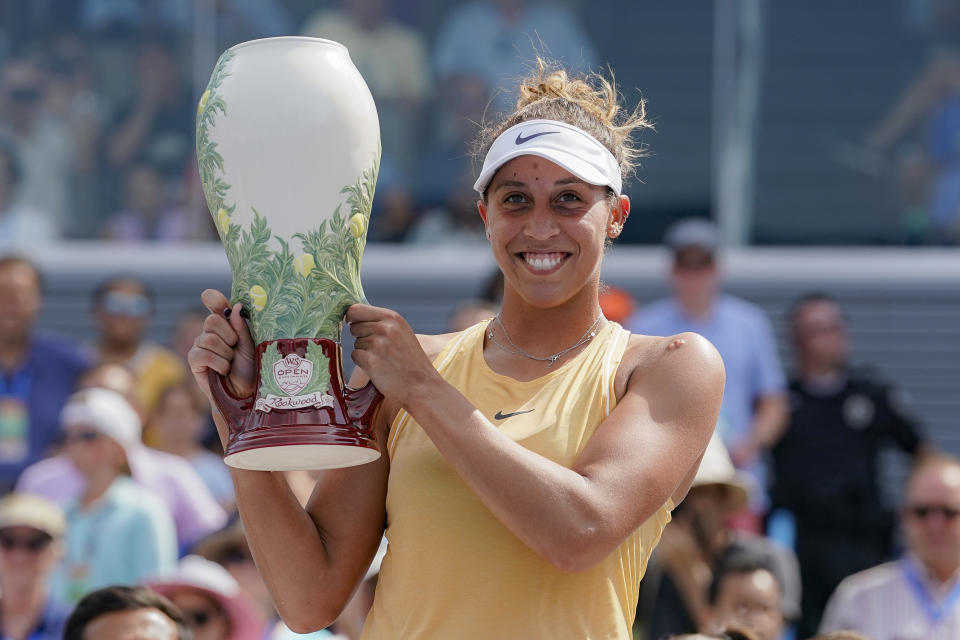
point(551, 359)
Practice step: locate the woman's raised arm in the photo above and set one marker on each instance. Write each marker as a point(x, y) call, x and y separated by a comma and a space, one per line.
point(310, 559)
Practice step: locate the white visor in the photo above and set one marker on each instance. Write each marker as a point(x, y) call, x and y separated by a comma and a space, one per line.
point(565, 145)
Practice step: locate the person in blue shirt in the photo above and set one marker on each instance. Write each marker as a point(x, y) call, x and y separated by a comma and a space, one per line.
point(754, 408)
point(37, 372)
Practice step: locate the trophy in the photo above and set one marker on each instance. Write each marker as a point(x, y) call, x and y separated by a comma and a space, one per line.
point(288, 148)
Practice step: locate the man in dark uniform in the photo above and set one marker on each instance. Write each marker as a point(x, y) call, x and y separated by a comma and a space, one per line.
point(825, 465)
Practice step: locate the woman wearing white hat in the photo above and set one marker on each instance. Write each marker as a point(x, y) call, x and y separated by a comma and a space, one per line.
point(118, 532)
point(529, 462)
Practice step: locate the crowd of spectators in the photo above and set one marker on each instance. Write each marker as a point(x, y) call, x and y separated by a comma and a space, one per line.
point(113, 474)
point(97, 104)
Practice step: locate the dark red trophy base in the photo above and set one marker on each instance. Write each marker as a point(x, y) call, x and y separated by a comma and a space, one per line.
point(300, 439)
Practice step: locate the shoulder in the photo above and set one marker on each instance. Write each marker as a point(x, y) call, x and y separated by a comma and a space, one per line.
point(433, 345)
point(67, 353)
point(868, 584)
point(677, 364)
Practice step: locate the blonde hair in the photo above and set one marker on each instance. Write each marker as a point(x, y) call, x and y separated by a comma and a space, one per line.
point(589, 102)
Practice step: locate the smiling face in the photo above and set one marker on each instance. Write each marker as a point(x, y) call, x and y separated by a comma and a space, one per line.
point(547, 229)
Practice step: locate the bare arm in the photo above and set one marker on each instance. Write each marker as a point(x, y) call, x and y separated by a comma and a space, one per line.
point(311, 559)
point(769, 425)
point(574, 517)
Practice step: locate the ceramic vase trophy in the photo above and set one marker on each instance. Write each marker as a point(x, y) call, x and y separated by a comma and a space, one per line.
point(288, 146)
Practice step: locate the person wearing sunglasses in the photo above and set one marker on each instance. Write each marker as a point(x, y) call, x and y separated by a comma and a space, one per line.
point(842, 417)
point(122, 309)
point(212, 602)
point(31, 545)
point(119, 532)
point(918, 596)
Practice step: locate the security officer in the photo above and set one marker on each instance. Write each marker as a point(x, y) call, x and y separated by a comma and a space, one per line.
point(825, 464)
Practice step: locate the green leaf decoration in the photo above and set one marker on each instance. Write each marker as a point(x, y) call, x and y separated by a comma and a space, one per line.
point(321, 368)
point(268, 385)
point(285, 298)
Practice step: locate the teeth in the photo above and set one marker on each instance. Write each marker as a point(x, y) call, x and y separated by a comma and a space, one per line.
point(543, 261)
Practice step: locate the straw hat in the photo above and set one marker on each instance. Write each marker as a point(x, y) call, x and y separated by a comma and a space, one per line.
point(716, 468)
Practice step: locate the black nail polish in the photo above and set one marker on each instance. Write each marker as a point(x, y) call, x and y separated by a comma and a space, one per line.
point(227, 312)
point(244, 314)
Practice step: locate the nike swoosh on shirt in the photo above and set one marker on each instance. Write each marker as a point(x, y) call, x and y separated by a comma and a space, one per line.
point(520, 139)
point(504, 416)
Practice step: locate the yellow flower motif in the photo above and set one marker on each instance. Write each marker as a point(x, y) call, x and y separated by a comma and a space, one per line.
point(223, 221)
point(358, 225)
point(203, 100)
point(304, 264)
point(258, 296)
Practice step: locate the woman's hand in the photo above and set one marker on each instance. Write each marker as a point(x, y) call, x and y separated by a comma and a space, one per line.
point(225, 346)
point(388, 351)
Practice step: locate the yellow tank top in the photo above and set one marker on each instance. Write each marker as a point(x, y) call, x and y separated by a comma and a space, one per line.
point(452, 570)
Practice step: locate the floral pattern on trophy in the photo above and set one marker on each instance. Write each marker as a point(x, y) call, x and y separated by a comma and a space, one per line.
point(287, 295)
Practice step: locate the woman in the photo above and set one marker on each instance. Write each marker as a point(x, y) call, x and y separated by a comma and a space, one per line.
point(178, 423)
point(117, 531)
point(530, 463)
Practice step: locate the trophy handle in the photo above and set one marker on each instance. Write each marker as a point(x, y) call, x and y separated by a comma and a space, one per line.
point(234, 409)
point(362, 403)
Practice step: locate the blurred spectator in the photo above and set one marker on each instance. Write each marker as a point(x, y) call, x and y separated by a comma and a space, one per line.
point(20, 226)
point(616, 304)
point(74, 99)
point(31, 544)
point(840, 419)
point(179, 422)
point(514, 33)
point(195, 511)
point(117, 532)
point(228, 547)
point(393, 208)
point(918, 596)
point(147, 214)
point(446, 159)
point(444, 189)
point(466, 314)
point(929, 160)
point(754, 403)
point(122, 612)
point(392, 59)
point(157, 126)
point(212, 602)
point(456, 223)
point(747, 592)
point(37, 372)
point(43, 143)
point(675, 591)
point(123, 307)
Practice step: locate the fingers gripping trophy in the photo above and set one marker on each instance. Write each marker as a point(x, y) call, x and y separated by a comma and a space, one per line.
point(288, 147)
